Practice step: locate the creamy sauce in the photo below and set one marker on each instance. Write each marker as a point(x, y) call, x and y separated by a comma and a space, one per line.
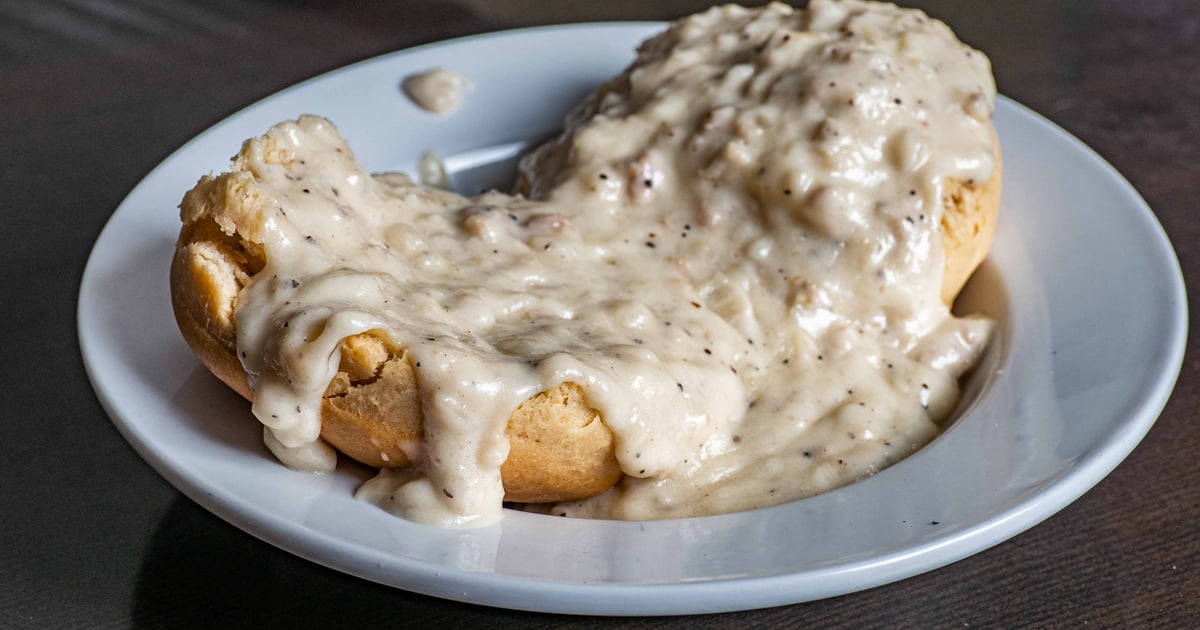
point(438, 90)
point(431, 171)
point(732, 249)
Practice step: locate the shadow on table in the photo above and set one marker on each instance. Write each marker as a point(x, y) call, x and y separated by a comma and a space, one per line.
point(200, 572)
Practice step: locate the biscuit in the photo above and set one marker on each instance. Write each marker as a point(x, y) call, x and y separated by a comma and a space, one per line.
point(968, 224)
point(560, 450)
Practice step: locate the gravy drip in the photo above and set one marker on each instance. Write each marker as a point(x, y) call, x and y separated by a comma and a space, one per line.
point(438, 91)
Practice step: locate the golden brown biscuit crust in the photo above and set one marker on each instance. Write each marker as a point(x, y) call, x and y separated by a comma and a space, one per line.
point(969, 212)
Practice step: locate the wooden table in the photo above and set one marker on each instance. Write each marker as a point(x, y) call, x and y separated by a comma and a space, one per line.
point(94, 94)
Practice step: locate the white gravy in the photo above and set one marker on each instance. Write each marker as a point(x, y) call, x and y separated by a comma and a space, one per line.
point(732, 249)
point(438, 90)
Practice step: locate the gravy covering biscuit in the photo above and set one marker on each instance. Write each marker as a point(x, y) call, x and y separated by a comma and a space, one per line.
point(724, 286)
point(371, 410)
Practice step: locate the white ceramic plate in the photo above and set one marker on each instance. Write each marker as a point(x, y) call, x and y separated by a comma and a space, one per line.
point(1085, 283)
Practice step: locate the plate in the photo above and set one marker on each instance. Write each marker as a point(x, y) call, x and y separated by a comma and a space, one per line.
point(1086, 286)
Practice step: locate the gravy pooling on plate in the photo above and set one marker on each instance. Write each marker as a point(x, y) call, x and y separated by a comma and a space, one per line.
point(438, 91)
point(733, 250)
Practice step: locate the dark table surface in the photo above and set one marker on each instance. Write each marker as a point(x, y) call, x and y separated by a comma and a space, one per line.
point(94, 93)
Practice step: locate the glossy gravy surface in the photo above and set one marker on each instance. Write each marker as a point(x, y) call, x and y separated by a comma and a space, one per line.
point(438, 91)
point(733, 249)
